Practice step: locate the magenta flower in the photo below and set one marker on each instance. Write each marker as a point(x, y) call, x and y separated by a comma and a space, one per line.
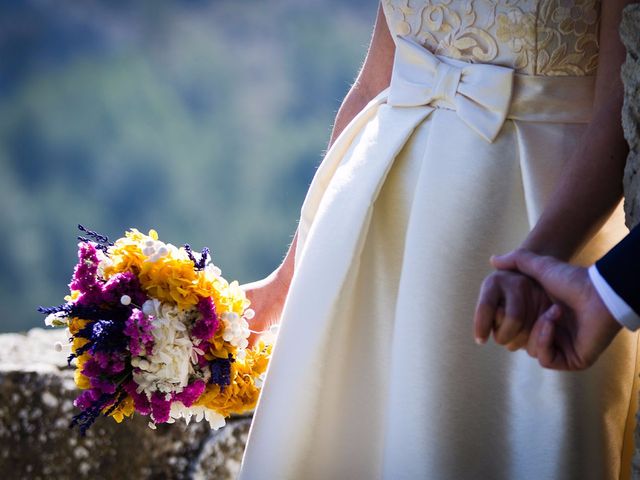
point(206, 326)
point(140, 401)
point(160, 407)
point(191, 393)
point(85, 275)
point(86, 399)
point(125, 283)
point(102, 385)
point(138, 328)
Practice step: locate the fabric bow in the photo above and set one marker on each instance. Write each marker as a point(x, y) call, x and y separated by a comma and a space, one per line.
point(479, 93)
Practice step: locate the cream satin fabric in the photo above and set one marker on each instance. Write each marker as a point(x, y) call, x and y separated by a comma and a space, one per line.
point(375, 373)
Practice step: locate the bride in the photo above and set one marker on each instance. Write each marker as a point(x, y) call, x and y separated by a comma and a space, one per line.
point(473, 127)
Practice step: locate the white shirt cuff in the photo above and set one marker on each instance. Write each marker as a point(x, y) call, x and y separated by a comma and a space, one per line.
point(620, 310)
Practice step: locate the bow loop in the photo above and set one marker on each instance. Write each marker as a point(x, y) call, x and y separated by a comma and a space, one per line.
point(479, 93)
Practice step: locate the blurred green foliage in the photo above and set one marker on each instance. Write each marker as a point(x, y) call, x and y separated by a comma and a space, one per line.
point(202, 119)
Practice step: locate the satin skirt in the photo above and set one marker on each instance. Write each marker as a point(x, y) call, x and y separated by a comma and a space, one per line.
point(375, 373)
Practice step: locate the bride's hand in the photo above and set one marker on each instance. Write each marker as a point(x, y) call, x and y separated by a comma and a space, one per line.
point(509, 305)
point(267, 299)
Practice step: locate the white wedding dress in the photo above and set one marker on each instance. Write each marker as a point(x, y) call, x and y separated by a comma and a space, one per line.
point(375, 373)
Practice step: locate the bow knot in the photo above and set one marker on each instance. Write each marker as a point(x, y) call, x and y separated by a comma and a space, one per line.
point(479, 93)
point(447, 78)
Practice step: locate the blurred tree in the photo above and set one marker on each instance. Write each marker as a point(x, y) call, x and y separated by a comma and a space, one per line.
point(202, 119)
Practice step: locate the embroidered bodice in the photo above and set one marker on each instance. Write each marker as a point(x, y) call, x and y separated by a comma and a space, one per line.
point(535, 37)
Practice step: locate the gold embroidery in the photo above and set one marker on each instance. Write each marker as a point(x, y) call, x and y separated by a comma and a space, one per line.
point(536, 37)
point(518, 31)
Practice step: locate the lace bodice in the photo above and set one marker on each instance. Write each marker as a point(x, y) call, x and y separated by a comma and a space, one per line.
point(535, 37)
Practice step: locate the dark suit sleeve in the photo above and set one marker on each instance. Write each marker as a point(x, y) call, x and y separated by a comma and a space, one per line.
point(621, 269)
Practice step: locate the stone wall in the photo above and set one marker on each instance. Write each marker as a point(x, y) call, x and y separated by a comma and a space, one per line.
point(36, 394)
point(630, 34)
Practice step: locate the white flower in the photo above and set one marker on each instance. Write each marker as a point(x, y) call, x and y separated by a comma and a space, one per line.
point(155, 250)
point(211, 271)
point(236, 330)
point(259, 381)
point(178, 410)
point(57, 319)
point(168, 368)
point(125, 300)
point(151, 307)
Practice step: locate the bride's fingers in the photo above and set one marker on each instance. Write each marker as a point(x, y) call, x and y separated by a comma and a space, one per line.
point(532, 343)
point(485, 314)
point(520, 342)
point(548, 355)
point(514, 318)
point(499, 318)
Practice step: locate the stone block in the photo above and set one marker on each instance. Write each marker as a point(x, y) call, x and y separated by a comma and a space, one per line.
point(36, 406)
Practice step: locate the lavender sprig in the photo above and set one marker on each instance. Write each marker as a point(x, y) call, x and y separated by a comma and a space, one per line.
point(99, 246)
point(221, 371)
point(89, 312)
point(85, 419)
point(65, 307)
point(94, 236)
point(204, 255)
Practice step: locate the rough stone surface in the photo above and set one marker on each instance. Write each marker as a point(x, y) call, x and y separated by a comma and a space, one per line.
point(630, 34)
point(36, 395)
point(218, 457)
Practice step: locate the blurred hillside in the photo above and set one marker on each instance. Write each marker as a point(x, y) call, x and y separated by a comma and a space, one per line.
point(202, 119)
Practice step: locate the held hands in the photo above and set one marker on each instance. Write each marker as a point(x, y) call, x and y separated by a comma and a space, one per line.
point(568, 335)
point(509, 305)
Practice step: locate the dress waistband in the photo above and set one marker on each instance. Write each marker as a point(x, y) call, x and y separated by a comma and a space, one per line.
point(485, 95)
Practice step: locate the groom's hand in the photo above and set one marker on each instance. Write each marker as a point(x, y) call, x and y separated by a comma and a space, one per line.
point(574, 331)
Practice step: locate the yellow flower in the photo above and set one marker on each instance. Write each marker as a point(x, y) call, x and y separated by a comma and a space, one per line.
point(242, 395)
point(220, 348)
point(81, 381)
point(73, 296)
point(125, 409)
point(170, 276)
point(170, 279)
point(75, 325)
point(126, 253)
point(78, 342)
point(228, 297)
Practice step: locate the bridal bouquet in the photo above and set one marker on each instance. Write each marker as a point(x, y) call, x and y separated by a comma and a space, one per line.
point(156, 329)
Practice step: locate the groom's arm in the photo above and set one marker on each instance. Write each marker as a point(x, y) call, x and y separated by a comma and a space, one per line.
point(616, 278)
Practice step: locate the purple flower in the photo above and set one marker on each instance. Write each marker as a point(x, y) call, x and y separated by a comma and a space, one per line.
point(104, 363)
point(86, 399)
point(207, 324)
point(125, 283)
point(138, 328)
point(221, 371)
point(140, 401)
point(85, 275)
point(191, 393)
point(92, 368)
point(102, 385)
point(160, 407)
